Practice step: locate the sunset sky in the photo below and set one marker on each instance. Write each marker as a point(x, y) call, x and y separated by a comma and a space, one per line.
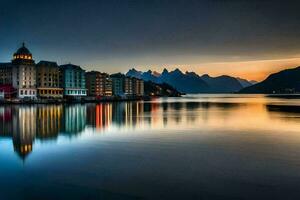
point(249, 39)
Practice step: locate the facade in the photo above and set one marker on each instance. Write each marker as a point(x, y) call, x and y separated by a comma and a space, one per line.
point(5, 73)
point(6, 89)
point(108, 86)
point(126, 86)
point(72, 79)
point(117, 84)
point(98, 84)
point(24, 74)
point(48, 80)
point(138, 87)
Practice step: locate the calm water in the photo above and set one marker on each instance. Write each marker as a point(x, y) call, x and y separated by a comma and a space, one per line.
point(195, 147)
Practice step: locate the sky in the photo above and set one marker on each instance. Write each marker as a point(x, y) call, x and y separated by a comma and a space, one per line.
point(248, 39)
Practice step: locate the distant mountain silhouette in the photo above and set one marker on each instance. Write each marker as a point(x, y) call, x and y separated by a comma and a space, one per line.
point(190, 82)
point(222, 84)
point(186, 83)
point(245, 83)
point(286, 81)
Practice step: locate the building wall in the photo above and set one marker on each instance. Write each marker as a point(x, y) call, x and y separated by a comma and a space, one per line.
point(24, 80)
point(5, 73)
point(48, 80)
point(128, 86)
point(73, 80)
point(108, 87)
point(138, 87)
point(6, 88)
point(117, 86)
point(98, 84)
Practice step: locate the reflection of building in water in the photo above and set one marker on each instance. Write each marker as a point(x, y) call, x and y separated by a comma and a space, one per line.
point(99, 116)
point(74, 118)
point(5, 121)
point(24, 129)
point(155, 118)
point(128, 114)
point(48, 120)
point(24, 123)
point(118, 116)
point(134, 113)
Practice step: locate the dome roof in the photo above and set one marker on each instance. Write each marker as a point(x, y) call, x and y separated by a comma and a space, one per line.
point(23, 53)
point(23, 50)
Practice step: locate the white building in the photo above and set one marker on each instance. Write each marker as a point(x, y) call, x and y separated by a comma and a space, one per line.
point(24, 74)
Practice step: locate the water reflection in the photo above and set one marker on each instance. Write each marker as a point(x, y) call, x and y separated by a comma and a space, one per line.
point(25, 124)
point(74, 119)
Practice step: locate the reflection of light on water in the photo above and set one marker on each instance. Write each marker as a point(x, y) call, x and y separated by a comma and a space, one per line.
point(29, 126)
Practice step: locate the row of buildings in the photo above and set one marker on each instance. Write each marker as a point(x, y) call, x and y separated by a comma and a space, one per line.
point(22, 78)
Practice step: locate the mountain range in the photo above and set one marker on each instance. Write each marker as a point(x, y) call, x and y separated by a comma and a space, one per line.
point(283, 82)
point(190, 82)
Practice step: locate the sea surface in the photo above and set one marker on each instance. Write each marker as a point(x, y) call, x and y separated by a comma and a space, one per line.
point(194, 147)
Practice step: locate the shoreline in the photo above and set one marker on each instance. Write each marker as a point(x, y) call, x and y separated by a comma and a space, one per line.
point(72, 101)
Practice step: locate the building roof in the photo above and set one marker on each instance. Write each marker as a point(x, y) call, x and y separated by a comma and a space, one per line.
point(5, 64)
point(71, 66)
point(23, 50)
point(47, 63)
point(117, 75)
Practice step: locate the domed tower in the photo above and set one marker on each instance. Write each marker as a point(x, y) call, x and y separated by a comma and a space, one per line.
point(22, 56)
point(24, 73)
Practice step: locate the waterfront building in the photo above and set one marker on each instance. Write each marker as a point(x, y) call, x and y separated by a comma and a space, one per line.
point(24, 74)
point(121, 85)
point(138, 86)
point(73, 81)
point(117, 84)
point(98, 84)
point(128, 86)
point(108, 86)
point(7, 90)
point(48, 80)
point(5, 73)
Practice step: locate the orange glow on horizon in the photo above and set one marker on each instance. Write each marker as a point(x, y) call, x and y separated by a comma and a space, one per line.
point(257, 70)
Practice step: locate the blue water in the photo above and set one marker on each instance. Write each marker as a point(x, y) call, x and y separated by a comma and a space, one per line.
point(195, 147)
